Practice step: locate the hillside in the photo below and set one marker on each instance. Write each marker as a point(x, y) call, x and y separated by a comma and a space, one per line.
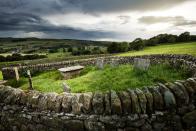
point(35, 45)
point(179, 48)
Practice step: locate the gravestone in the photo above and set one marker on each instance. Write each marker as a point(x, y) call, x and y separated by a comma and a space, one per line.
point(100, 63)
point(16, 73)
point(114, 63)
point(66, 88)
point(142, 64)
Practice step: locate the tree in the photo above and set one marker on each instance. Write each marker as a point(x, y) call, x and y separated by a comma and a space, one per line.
point(97, 50)
point(137, 44)
point(171, 39)
point(184, 37)
point(53, 50)
point(124, 46)
point(193, 37)
point(70, 49)
point(64, 50)
point(115, 47)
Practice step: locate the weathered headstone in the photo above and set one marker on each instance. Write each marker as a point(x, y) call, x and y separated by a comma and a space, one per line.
point(142, 64)
point(30, 80)
point(16, 73)
point(114, 63)
point(66, 88)
point(100, 63)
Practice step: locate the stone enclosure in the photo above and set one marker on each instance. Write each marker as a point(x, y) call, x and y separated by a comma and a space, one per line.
point(169, 106)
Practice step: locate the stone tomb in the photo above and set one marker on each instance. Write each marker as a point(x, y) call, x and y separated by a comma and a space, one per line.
point(70, 72)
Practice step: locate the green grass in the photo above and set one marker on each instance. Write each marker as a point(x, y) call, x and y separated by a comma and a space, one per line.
point(123, 77)
point(50, 81)
point(181, 48)
point(93, 79)
point(1, 76)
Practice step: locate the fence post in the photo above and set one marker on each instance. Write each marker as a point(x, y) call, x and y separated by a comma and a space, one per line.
point(30, 80)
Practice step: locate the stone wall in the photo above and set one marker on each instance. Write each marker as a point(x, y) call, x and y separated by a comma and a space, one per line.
point(8, 72)
point(161, 107)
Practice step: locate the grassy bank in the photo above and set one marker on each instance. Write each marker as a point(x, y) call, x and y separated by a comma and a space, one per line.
point(93, 79)
point(180, 48)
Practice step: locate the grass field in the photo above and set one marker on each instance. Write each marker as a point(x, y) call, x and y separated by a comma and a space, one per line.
point(181, 48)
point(1, 77)
point(93, 79)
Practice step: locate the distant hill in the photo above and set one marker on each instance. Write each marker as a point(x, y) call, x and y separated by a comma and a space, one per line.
point(65, 41)
point(31, 45)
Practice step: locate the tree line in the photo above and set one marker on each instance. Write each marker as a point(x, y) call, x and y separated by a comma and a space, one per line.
point(18, 57)
point(139, 44)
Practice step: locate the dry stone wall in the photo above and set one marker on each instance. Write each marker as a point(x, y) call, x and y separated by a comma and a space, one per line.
point(168, 106)
point(162, 107)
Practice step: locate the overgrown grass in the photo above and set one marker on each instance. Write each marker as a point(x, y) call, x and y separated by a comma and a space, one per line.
point(123, 77)
point(93, 79)
point(181, 48)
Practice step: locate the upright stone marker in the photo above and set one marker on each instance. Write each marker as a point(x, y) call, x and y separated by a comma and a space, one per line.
point(114, 63)
point(142, 64)
point(16, 73)
point(100, 63)
point(66, 88)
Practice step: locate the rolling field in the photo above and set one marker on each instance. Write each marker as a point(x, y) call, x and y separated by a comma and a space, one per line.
point(181, 48)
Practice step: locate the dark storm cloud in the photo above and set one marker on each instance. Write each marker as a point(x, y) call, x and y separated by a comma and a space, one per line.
point(27, 15)
point(31, 23)
point(87, 6)
point(176, 21)
point(96, 6)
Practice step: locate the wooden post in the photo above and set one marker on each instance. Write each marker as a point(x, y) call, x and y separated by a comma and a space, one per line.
point(30, 80)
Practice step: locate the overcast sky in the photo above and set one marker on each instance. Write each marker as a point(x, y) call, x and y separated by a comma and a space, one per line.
point(119, 20)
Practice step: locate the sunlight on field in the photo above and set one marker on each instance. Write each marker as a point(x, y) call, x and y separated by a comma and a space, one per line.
point(182, 48)
point(1, 76)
